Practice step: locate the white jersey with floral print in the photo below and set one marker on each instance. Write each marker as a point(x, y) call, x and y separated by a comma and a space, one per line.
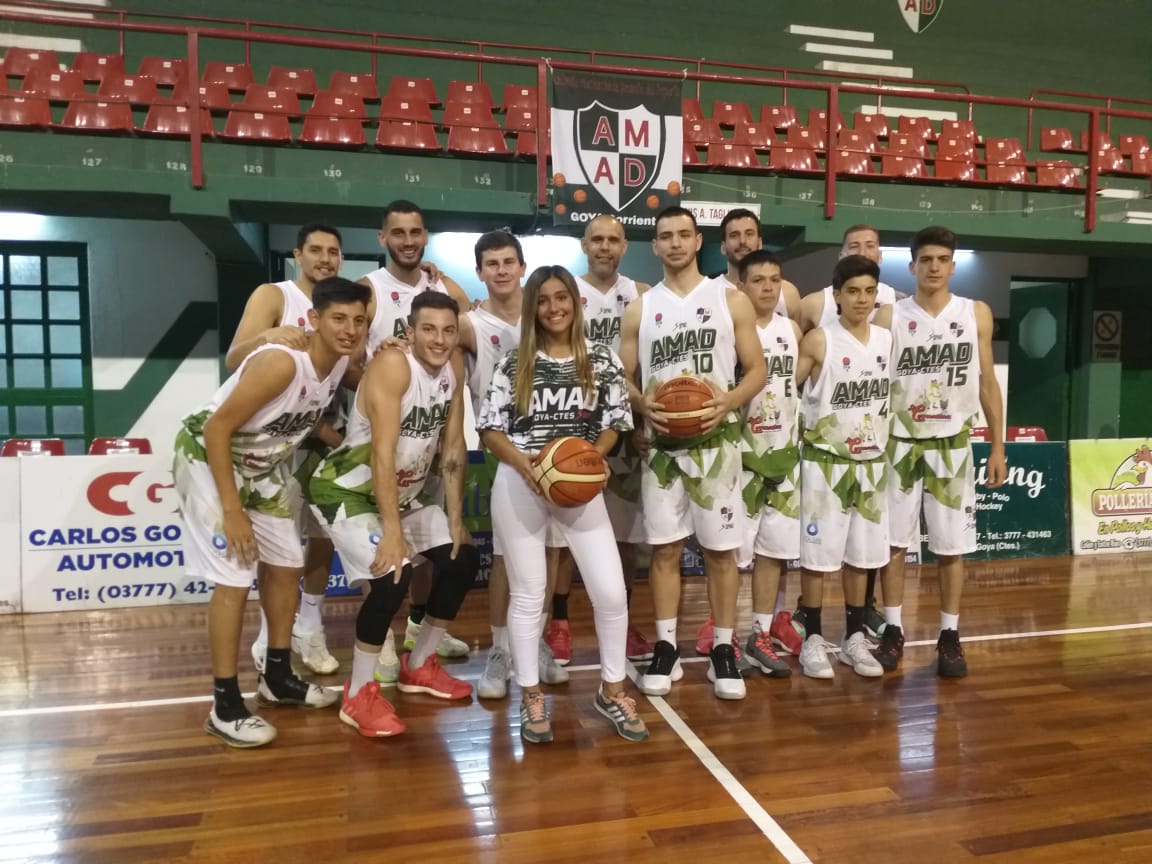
point(769, 443)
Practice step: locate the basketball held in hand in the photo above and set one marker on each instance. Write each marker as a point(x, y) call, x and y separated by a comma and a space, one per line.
point(683, 400)
point(570, 472)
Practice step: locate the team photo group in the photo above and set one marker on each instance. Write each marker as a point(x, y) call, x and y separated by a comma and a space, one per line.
point(616, 418)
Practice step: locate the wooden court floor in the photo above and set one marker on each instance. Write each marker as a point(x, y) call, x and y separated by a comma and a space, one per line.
point(1043, 754)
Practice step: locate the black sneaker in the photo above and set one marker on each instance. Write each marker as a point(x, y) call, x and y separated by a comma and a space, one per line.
point(950, 663)
point(891, 648)
point(874, 623)
point(293, 690)
point(724, 674)
point(663, 670)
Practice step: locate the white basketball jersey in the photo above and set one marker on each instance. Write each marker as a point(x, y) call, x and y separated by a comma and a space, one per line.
point(494, 338)
point(393, 304)
point(936, 379)
point(781, 307)
point(272, 434)
point(885, 296)
point(604, 309)
point(690, 335)
point(772, 417)
point(846, 406)
point(296, 306)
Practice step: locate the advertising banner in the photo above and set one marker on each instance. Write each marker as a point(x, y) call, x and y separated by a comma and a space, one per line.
point(10, 535)
point(617, 147)
point(1111, 496)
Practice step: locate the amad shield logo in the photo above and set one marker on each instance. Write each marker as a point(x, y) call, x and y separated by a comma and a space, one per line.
point(919, 14)
point(619, 151)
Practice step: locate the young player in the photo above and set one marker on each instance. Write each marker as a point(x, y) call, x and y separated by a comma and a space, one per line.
point(943, 375)
point(740, 233)
point(555, 385)
point(691, 325)
point(843, 511)
point(232, 475)
point(368, 493)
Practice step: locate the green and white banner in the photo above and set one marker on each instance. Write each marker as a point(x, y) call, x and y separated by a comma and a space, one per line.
point(1111, 496)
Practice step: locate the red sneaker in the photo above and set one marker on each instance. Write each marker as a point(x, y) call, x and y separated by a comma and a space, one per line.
point(787, 634)
point(638, 647)
point(431, 679)
point(369, 713)
point(705, 638)
point(559, 639)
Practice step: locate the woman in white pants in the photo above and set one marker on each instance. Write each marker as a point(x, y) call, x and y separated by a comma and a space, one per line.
point(556, 384)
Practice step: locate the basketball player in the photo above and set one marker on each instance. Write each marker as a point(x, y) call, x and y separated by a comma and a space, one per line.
point(487, 333)
point(557, 384)
point(232, 475)
point(277, 314)
point(771, 457)
point(368, 493)
point(405, 275)
point(943, 375)
point(739, 235)
point(691, 325)
point(845, 369)
point(605, 294)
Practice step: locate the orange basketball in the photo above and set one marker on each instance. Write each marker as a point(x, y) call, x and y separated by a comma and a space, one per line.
point(570, 471)
point(559, 179)
point(683, 400)
point(579, 196)
point(653, 202)
point(561, 209)
point(673, 188)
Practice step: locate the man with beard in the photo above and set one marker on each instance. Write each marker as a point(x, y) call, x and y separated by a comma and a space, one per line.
point(739, 235)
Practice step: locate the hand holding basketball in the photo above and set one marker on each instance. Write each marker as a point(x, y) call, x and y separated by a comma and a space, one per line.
point(688, 406)
point(570, 472)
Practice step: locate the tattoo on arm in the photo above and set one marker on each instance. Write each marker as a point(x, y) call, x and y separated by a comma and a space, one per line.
point(450, 467)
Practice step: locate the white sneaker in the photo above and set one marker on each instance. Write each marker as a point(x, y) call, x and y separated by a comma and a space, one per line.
point(854, 652)
point(387, 664)
point(259, 654)
point(313, 650)
point(449, 647)
point(727, 682)
point(251, 731)
point(551, 672)
point(493, 684)
point(814, 658)
point(296, 692)
point(663, 671)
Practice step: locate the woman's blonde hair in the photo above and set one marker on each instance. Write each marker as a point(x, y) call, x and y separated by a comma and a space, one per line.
point(530, 337)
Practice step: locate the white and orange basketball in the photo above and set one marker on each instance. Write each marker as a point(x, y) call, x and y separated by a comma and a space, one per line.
point(683, 399)
point(570, 472)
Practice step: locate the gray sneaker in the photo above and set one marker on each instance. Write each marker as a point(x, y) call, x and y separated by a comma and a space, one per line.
point(551, 672)
point(854, 652)
point(814, 658)
point(493, 684)
point(760, 654)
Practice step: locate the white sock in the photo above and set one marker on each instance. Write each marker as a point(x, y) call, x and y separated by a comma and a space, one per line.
point(425, 645)
point(666, 630)
point(723, 635)
point(762, 621)
point(263, 637)
point(500, 640)
point(781, 598)
point(363, 668)
point(309, 616)
point(893, 615)
point(949, 622)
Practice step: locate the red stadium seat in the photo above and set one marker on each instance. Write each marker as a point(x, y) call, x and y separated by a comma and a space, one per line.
point(779, 116)
point(119, 447)
point(959, 129)
point(302, 80)
point(176, 121)
point(1011, 175)
point(270, 100)
point(877, 124)
point(788, 158)
point(755, 135)
point(1026, 434)
point(727, 155)
point(903, 144)
point(956, 149)
point(526, 145)
point(25, 111)
point(415, 89)
point(1142, 163)
point(517, 96)
point(700, 133)
point(32, 446)
point(332, 131)
point(852, 161)
point(980, 434)
point(257, 126)
point(212, 95)
point(856, 141)
point(895, 165)
point(397, 107)
point(806, 138)
point(359, 84)
point(1003, 151)
point(98, 117)
point(468, 93)
point(690, 110)
point(1132, 145)
point(947, 169)
point(18, 62)
point(165, 71)
point(1109, 161)
point(1102, 140)
point(731, 113)
point(477, 140)
point(96, 67)
point(474, 114)
point(236, 76)
point(818, 120)
point(54, 85)
point(1059, 172)
point(690, 156)
point(1053, 140)
point(520, 118)
point(921, 126)
point(330, 103)
point(134, 89)
point(406, 135)
point(4, 86)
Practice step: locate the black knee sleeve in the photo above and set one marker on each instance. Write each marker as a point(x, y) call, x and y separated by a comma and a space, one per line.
point(380, 606)
point(451, 579)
